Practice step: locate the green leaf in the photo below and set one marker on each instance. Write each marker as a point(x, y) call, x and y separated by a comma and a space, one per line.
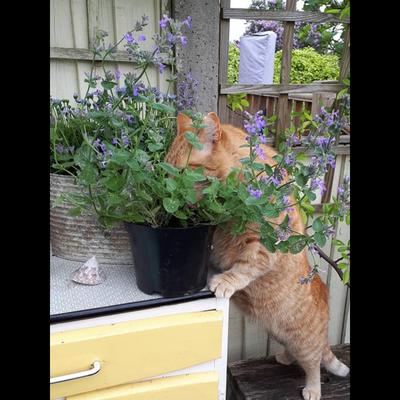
point(193, 140)
point(283, 247)
point(163, 107)
point(74, 212)
point(318, 225)
point(269, 243)
point(180, 214)
point(153, 147)
point(244, 102)
point(114, 182)
point(108, 85)
point(348, 218)
point(195, 176)
point(320, 239)
point(120, 157)
point(301, 157)
point(88, 175)
point(297, 243)
point(342, 266)
point(301, 180)
point(171, 205)
point(171, 185)
point(169, 168)
point(346, 276)
point(258, 166)
point(303, 216)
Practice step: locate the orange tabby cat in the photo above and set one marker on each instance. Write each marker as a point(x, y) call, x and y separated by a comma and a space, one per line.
point(264, 285)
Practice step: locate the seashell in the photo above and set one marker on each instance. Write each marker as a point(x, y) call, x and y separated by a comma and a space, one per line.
point(89, 273)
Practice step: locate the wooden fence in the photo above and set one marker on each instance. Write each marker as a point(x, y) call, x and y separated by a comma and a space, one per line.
point(247, 339)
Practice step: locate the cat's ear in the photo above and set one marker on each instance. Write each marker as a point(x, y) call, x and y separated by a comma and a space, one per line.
point(213, 128)
point(183, 122)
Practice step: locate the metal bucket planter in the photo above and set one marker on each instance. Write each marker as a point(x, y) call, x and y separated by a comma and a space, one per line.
point(80, 238)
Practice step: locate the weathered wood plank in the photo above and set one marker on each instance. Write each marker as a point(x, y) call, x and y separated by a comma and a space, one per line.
point(255, 339)
point(272, 89)
point(281, 15)
point(64, 53)
point(223, 63)
point(236, 333)
point(337, 290)
point(287, 45)
point(345, 59)
point(265, 379)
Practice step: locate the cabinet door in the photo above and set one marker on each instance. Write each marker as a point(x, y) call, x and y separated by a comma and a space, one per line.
point(134, 350)
point(200, 386)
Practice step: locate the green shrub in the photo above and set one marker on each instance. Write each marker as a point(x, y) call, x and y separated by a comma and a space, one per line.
point(233, 64)
point(308, 65)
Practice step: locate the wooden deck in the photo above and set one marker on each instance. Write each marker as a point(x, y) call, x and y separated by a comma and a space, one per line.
point(265, 379)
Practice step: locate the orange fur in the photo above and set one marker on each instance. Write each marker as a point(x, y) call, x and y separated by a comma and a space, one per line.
point(264, 285)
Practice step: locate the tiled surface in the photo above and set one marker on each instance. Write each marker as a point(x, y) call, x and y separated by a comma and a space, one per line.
point(66, 295)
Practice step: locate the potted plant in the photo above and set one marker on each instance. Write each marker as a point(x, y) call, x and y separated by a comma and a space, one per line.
point(127, 166)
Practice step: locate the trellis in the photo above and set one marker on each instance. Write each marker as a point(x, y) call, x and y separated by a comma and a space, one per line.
point(284, 94)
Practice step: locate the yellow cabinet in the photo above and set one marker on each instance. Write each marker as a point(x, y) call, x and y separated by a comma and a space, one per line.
point(197, 386)
point(133, 351)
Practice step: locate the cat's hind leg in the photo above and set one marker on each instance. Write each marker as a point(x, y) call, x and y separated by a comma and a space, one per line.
point(284, 358)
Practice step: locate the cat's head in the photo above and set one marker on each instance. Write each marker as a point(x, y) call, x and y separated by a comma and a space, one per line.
point(212, 157)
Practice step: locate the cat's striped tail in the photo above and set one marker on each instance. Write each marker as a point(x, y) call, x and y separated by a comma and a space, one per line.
point(332, 364)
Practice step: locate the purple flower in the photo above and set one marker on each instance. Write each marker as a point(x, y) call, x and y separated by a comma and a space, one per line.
point(59, 148)
point(289, 159)
point(259, 151)
point(262, 139)
point(257, 193)
point(183, 41)
point(135, 91)
point(142, 38)
point(129, 38)
point(286, 200)
point(161, 67)
point(313, 248)
point(117, 74)
point(283, 234)
point(114, 141)
point(164, 21)
point(170, 38)
point(125, 139)
point(103, 148)
point(259, 122)
point(121, 90)
point(330, 159)
point(188, 22)
point(129, 119)
point(317, 183)
point(322, 141)
point(271, 179)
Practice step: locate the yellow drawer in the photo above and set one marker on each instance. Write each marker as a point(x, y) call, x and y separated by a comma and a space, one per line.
point(199, 386)
point(134, 350)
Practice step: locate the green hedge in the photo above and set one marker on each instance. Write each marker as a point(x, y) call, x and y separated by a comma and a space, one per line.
point(307, 66)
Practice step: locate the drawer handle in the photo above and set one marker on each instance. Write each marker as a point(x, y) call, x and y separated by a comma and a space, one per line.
point(96, 366)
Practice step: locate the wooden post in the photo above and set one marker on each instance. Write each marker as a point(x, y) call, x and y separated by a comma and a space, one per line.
point(223, 61)
point(288, 33)
point(345, 61)
point(318, 100)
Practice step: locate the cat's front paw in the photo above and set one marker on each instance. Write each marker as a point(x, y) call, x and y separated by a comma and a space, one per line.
point(222, 286)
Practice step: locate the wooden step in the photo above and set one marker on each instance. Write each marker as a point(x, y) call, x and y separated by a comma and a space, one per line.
point(265, 379)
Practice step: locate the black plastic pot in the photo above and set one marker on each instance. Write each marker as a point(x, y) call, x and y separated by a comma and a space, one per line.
point(170, 261)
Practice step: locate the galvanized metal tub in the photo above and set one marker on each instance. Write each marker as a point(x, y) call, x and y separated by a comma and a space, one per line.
point(79, 238)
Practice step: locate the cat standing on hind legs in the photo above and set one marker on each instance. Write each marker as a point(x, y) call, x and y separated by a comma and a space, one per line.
point(264, 285)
